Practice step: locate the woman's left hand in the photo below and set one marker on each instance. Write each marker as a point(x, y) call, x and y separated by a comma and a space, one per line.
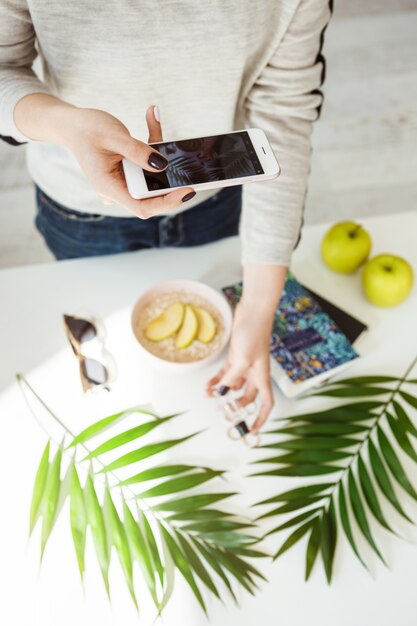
point(247, 364)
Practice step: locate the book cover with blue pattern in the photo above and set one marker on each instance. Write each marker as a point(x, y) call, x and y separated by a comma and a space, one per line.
point(305, 341)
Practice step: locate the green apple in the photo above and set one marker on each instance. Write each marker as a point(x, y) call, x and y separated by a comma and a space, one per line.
point(206, 325)
point(387, 280)
point(166, 324)
point(345, 247)
point(188, 330)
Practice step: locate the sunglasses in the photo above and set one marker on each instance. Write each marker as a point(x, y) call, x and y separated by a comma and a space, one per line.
point(93, 373)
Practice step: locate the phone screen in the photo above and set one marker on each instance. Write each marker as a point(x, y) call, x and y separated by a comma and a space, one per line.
point(204, 160)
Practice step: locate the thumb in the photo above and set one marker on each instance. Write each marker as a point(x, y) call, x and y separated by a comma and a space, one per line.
point(153, 121)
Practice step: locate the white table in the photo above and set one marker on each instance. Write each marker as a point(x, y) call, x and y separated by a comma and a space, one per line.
point(32, 341)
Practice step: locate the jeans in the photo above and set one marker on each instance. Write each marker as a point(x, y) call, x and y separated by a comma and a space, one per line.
point(71, 234)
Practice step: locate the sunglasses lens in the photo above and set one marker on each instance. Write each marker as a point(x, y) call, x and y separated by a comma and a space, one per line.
point(94, 371)
point(81, 330)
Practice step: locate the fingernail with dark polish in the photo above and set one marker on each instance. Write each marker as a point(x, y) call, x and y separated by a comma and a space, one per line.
point(157, 161)
point(188, 196)
point(223, 390)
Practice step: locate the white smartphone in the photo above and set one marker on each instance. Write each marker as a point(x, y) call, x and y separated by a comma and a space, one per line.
point(235, 158)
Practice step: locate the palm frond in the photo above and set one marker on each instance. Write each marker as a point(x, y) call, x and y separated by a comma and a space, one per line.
point(232, 165)
point(185, 170)
point(359, 444)
point(166, 527)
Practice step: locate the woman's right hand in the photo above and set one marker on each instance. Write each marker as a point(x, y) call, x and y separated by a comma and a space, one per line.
point(100, 142)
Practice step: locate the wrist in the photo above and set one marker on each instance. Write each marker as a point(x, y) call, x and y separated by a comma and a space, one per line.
point(258, 319)
point(262, 288)
point(42, 117)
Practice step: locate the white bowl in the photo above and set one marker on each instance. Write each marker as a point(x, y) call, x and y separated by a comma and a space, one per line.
point(213, 297)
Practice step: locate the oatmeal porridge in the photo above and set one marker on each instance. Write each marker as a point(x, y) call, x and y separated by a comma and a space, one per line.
point(166, 348)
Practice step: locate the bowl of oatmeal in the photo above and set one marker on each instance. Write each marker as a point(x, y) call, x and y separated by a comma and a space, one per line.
point(182, 325)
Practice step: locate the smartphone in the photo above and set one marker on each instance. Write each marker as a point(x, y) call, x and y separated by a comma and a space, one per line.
point(235, 158)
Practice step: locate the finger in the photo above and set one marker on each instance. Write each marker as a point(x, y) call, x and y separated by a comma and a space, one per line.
point(234, 378)
point(212, 383)
point(153, 119)
point(143, 155)
point(249, 395)
point(267, 402)
point(163, 204)
point(116, 191)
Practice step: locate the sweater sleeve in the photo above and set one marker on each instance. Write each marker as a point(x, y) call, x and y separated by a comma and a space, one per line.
point(284, 101)
point(17, 53)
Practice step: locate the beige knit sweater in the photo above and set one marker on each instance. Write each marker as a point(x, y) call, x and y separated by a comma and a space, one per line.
point(211, 66)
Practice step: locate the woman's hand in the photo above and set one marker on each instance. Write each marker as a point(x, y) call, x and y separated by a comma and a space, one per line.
point(247, 366)
point(100, 142)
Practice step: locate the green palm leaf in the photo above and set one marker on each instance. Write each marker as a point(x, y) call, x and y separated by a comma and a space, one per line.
point(351, 412)
point(295, 536)
point(312, 430)
point(156, 472)
point(297, 494)
point(240, 569)
point(353, 392)
point(50, 498)
point(181, 562)
point(198, 515)
point(301, 470)
point(192, 502)
point(102, 425)
point(144, 453)
point(383, 479)
point(313, 547)
point(400, 434)
point(233, 565)
point(394, 463)
point(118, 538)
point(176, 485)
point(214, 564)
point(318, 443)
point(129, 435)
point(152, 546)
point(334, 442)
point(139, 549)
point(344, 517)
point(370, 494)
point(360, 515)
point(78, 518)
point(39, 487)
point(306, 457)
point(411, 400)
point(366, 380)
point(196, 563)
point(289, 507)
point(403, 418)
point(328, 539)
point(229, 539)
point(220, 525)
point(95, 519)
point(181, 532)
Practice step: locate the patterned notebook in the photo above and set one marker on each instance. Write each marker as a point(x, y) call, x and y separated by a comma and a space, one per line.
point(306, 344)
